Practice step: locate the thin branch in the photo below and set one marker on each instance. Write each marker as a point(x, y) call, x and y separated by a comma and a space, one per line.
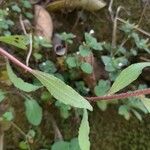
point(22, 25)
point(143, 12)
point(58, 135)
point(30, 50)
point(135, 27)
point(121, 95)
point(110, 10)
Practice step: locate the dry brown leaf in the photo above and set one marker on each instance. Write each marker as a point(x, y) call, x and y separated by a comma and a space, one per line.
point(90, 5)
point(43, 23)
point(98, 71)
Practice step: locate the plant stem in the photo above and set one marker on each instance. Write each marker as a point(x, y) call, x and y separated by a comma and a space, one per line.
point(107, 97)
point(120, 96)
point(14, 60)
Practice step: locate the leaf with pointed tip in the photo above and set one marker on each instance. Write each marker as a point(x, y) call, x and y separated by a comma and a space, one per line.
point(84, 130)
point(19, 41)
point(19, 83)
point(146, 102)
point(61, 91)
point(127, 76)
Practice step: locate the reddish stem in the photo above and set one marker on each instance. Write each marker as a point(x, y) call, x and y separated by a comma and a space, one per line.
point(121, 95)
point(106, 97)
point(14, 60)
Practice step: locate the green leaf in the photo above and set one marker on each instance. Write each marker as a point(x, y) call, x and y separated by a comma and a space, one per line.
point(146, 102)
point(74, 144)
point(84, 130)
point(86, 67)
point(29, 15)
point(137, 114)
point(64, 109)
point(16, 8)
point(8, 116)
point(19, 41)
point(26, 3)
point(67, 37)
point(92, 42)
point(48, 67)
point(33, 111)
point(127, 76)
point(123, 110)
point(61, 145)
point(61, 91)
point(102, 88)
point(71, 62)
point(84, 50)
point(102, 105)
point(2, 95)
point(23, 145)
point(19, 83)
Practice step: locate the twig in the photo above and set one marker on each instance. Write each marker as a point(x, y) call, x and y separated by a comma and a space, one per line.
point(114, 36)
point(22, 25)
point(58, 135)
point(1, 140)
point(143, 12)
point(30, 50)
point(22, 132)
point(110, 10)
point(19, 129)
point(135, 27)
point(30, 37)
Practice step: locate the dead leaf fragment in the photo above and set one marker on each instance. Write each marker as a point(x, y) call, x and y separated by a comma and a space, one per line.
point(90, 5)
point(43, 23)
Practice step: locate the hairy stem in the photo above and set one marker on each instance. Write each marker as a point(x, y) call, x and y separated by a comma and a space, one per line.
point(121, 95)
point(106, 97)
point(14, 60)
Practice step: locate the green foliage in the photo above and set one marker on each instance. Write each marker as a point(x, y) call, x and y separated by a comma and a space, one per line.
point(16, 8)
point(102, 87)
point(5, 22)
point(146, 102)
point(41, 41)
point(33, 111)
point(26, 4)
point(100, 90)
point(8, 116)
point(84, 50)
point(81, 88)
point(63, 145)
point(20, 41)
point(64, 109)
point(92, 42)
point(127, 76)
point(23, 145)
point(67, 37)
point(71, 62)
point(123, 110)
point(48, 67)
point(61, 91)
point(84, 130)
point(86, 67)
point(19, 83)
point(2, 95)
